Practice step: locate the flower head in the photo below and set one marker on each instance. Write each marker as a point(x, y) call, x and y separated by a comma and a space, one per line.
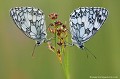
point(53, 16)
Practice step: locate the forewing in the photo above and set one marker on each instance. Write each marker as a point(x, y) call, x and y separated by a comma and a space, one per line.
point(30, 21)
point(85, 22)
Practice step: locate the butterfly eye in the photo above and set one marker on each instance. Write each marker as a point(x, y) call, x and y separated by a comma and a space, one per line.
point(38, 43)
point(81, 46)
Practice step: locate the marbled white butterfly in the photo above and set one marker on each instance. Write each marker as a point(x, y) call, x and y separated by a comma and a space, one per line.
point(31, 21)
point(85, 22)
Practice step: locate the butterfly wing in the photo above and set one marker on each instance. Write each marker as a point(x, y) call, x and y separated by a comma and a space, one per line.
point(85, 22)
point(30, 21)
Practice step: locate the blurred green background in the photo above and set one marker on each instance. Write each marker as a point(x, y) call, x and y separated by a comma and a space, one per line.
point(16, 61)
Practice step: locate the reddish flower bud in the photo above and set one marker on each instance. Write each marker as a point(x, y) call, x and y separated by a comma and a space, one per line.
point(58, 23)
point(64, 26)
point(53, 16)
point(59, 55)
point(51, 47)
point(60, 43)
point(51, 24)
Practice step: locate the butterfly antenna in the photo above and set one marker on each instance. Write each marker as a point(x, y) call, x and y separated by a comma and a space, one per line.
point(90, 53)
point(86, 53)
point(34, 50)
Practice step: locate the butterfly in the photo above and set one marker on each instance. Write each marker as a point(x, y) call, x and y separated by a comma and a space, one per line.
point(31, 21)
point(85, 22)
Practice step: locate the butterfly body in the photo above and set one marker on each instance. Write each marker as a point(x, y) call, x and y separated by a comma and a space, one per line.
point(85, 22)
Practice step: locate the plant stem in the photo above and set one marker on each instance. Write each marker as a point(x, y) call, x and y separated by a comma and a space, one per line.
point(66, 63)
point(55, 41)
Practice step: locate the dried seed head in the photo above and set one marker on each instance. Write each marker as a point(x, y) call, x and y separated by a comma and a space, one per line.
point(64, 26)
point(58, 32)
point(51, 24)
point(51, 47)
point(53, 16)
point(58, 23)
point(59, 55)
point(51, 30)
point(58, 51)
point(59, 43)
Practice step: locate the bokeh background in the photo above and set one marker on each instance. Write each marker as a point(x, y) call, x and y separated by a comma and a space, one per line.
point(16, 61)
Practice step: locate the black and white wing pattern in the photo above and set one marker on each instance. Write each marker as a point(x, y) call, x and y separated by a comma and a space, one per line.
point(31, 21)
point(85, 22)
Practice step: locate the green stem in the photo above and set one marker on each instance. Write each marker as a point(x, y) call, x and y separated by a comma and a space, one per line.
point(66, 63)
point(55, 41)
